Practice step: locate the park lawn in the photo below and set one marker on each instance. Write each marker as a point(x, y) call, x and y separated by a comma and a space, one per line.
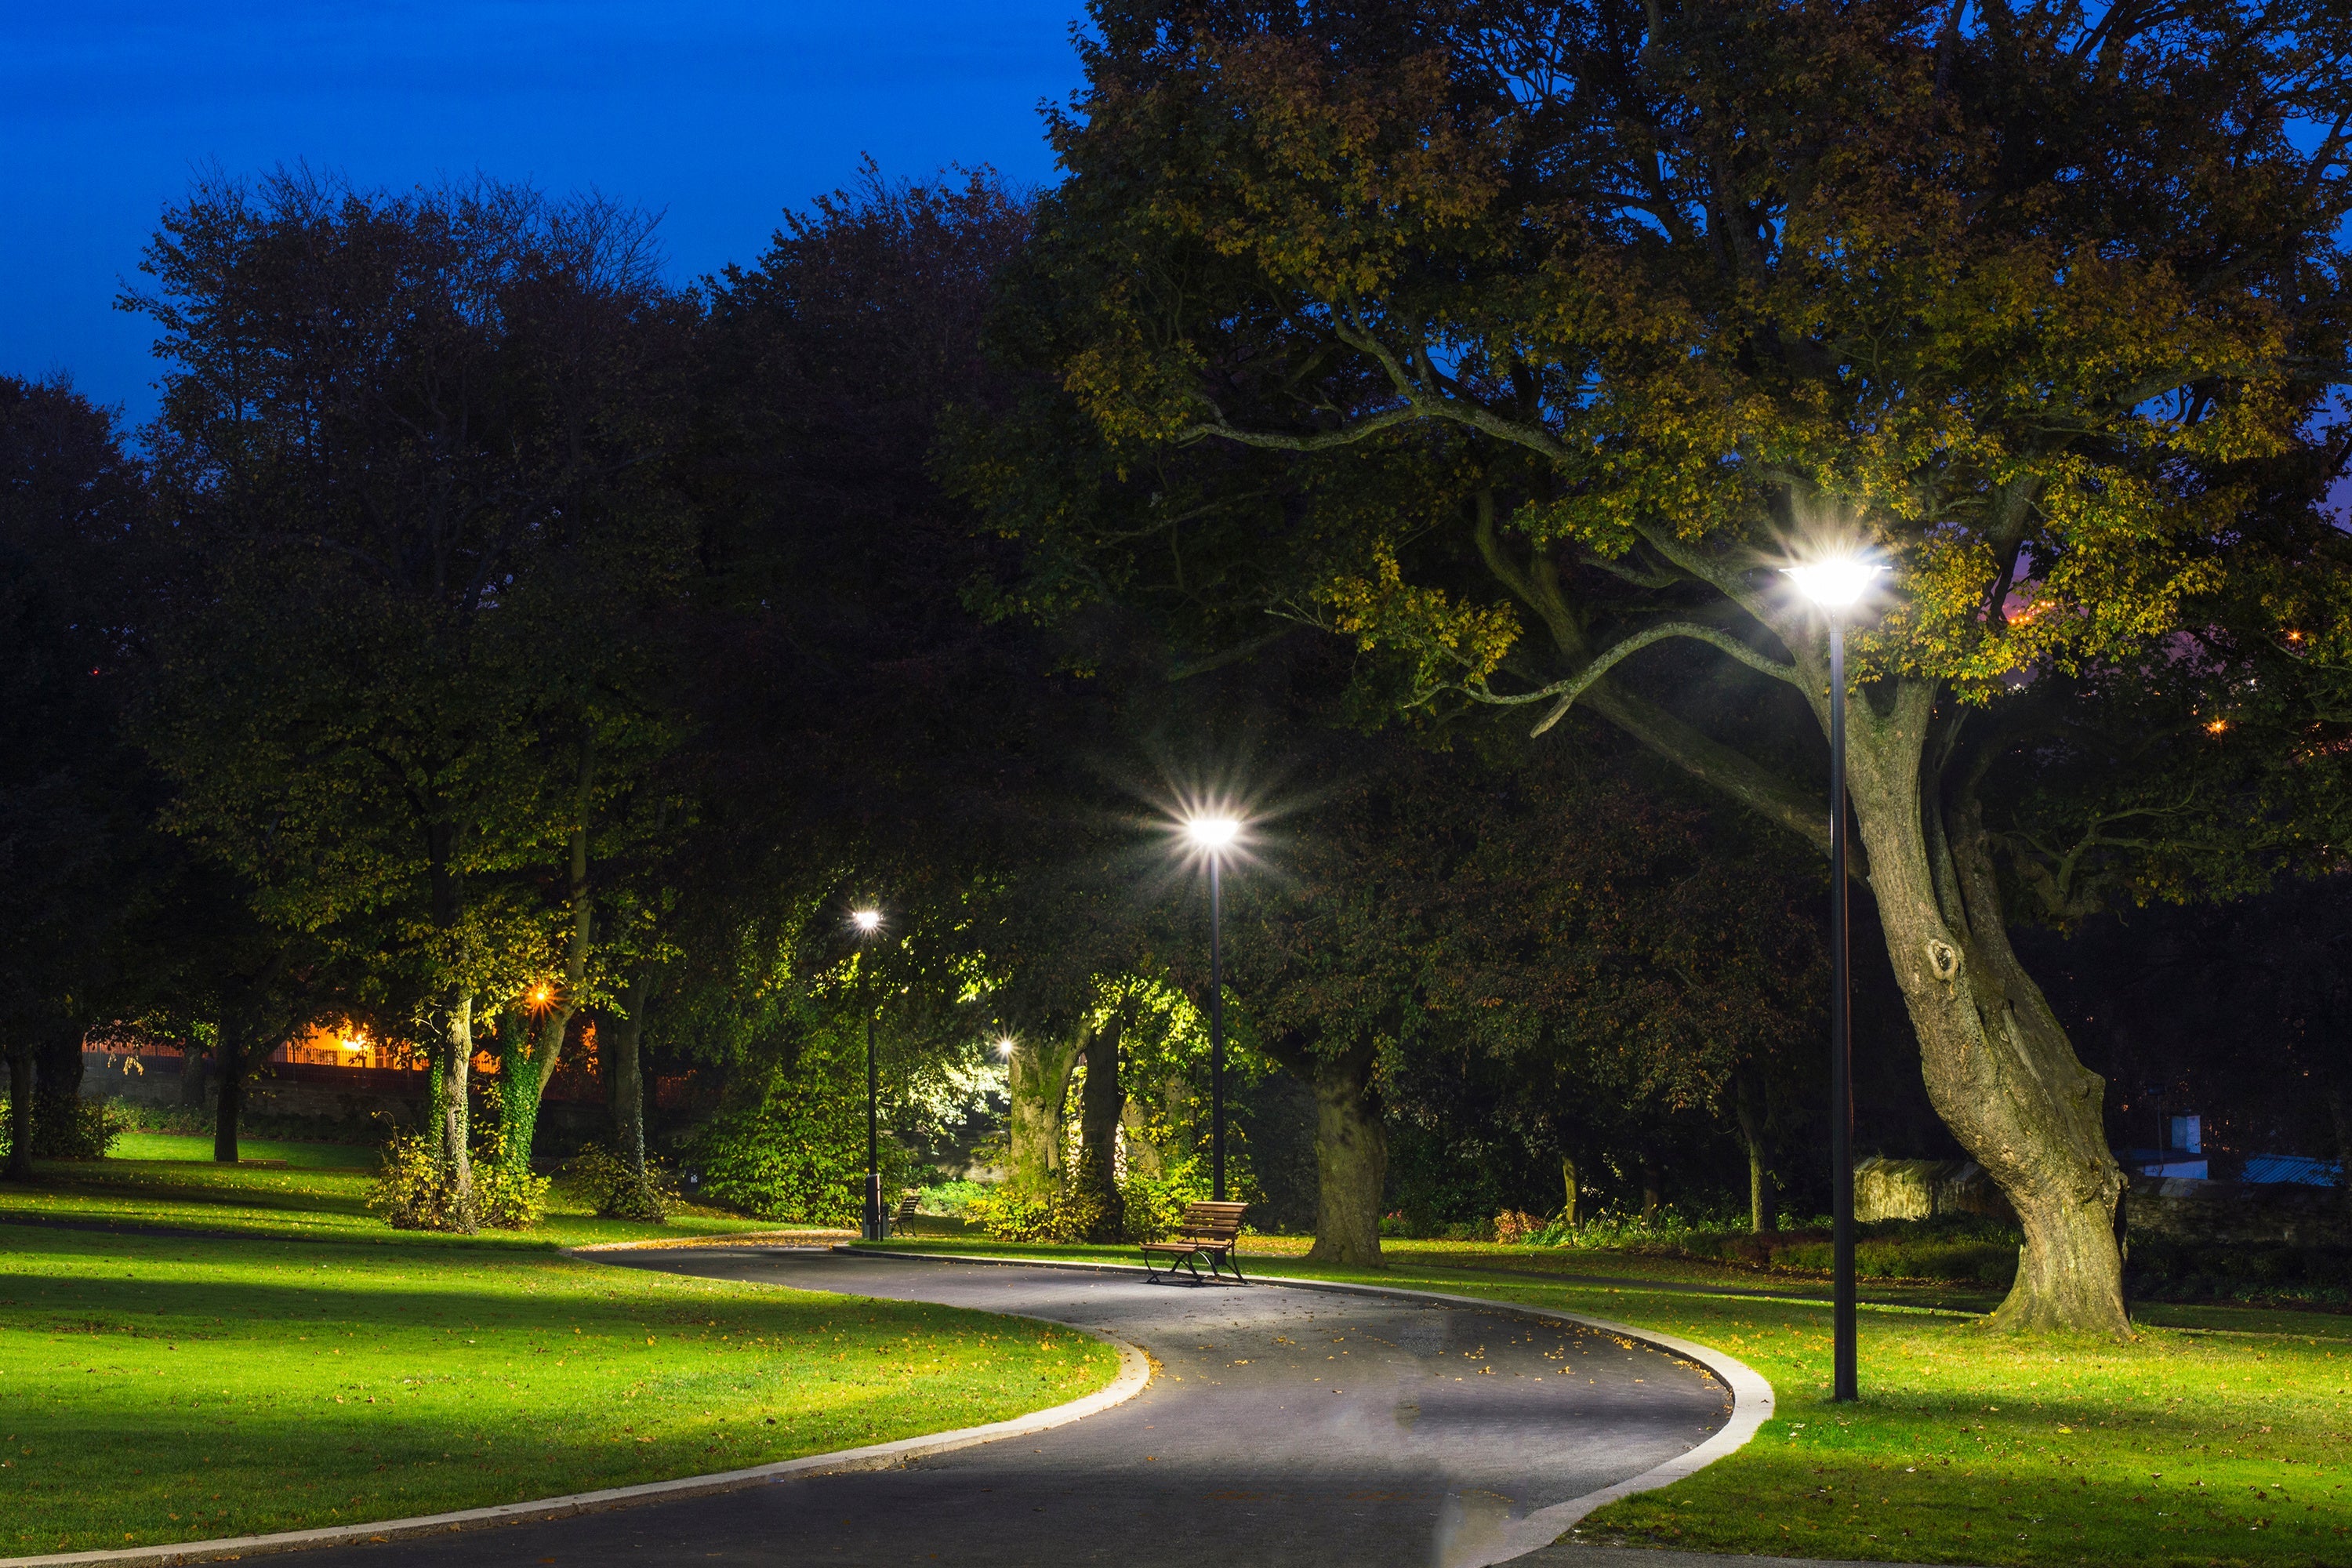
point(318, 1202)
point(2222, 1436)
point(195, 1146)
point(156, 1389)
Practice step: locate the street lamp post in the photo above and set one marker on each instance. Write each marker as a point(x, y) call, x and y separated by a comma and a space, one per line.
point(1834, 584)
point(867, 922)
point(1214, 836)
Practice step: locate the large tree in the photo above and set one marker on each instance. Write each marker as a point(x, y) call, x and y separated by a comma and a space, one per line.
point(1526, 345)
point(407, 444)
point(84, 873)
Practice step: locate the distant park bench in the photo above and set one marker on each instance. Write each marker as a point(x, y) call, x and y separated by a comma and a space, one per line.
point(1207, 1233)
point(910, 1201)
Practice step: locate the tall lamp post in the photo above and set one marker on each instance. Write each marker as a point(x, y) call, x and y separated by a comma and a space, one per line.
point(1835, 582)
point(1213, 835)
point(867, 922)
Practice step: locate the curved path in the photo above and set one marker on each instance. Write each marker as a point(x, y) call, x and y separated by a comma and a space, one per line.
point(1282, 1427)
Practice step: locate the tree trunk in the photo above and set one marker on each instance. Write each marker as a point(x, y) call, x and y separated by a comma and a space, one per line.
point(229, 1047)
point(1100, 1101)
point(1567, 1212)
point(453, 1065)
point(1653, 1185)
point(1144, 1158)
point(20, 1109)
point(1039, 1082)
point(528, 1069)
point(1748, 1103)
point(1998, 1066)
point(57, 1087)
point(625, 1072)
point(1351, 1162)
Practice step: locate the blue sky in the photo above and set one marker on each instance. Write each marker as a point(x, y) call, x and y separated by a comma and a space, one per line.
point(719, 115)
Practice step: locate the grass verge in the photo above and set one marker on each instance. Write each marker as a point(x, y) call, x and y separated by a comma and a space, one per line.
point(157, 1387)
point(317, 1202)
point(2220, 1437)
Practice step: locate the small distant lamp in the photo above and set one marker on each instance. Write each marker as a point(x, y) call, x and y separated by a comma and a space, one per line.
point(1214, 835)
point(1836, 583)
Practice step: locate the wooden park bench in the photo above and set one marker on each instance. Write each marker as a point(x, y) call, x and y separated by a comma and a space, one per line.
point(1206, 1234)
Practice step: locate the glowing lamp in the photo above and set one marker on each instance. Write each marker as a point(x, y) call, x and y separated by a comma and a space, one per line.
point(1213, 833)
point(866, 920)
point(1834, 581)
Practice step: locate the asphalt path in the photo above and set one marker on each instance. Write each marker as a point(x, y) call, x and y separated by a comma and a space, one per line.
point(1281, 1427)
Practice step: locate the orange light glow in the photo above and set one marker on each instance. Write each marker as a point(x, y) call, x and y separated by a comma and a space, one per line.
point(2217, 726)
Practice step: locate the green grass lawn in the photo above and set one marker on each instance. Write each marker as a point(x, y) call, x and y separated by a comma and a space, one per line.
point(311, 1201)
point(2222, 1436)
point(317, 1368)
point(193, 1146)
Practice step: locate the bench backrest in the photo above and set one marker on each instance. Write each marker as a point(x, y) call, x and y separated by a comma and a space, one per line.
point(1214, 1219)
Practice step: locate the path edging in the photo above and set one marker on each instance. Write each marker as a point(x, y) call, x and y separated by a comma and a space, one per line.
point(1751, 1394)
point(1134, 1373)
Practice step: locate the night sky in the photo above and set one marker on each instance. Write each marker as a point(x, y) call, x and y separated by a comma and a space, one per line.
point(717, 115)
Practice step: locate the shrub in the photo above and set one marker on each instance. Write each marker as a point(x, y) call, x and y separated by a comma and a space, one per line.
point(1007, 1214)
point(950, 1197)
point(507, 1195)
point(1516, 1227)
point(73, 1129)
point(616, 1190)
point(411, 1190)
point(408, 1191)
point(1155, 1204)
point(1068, 1214)
point(798, 1155)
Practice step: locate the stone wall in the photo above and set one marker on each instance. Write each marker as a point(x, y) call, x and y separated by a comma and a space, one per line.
point(2174, 1208)
point(358, 1104)
point(1923, 1189)
point(2290, 1213)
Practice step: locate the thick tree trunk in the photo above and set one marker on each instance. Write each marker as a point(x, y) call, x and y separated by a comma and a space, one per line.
point(1747, 1104)
point(1100, 1101)
point(1568, 1211)
point(1039, 1082)
point(1998, 1066)
point(542, 1046)
point(625, 1070)
point(1351, 1162)
point(1144, 1158)
point(1653, 1184)
point(229, 1048)
point(20, 1109)
point(57, 1087)
point(453, 1066)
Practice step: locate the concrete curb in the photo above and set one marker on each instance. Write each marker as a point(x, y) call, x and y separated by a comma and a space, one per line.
point(1752, 1395)
point(1134, 1373)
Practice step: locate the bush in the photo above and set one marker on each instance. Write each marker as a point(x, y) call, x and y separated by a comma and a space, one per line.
point(1072, 1215)
point(408, 1191)
point(1010, 1216)
point(70, 1130)
point(948, 1198)
point(798, 1155)
point(507, 1195)
point(1155, 1204)
point(616, 1190)
point(411, 1190)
